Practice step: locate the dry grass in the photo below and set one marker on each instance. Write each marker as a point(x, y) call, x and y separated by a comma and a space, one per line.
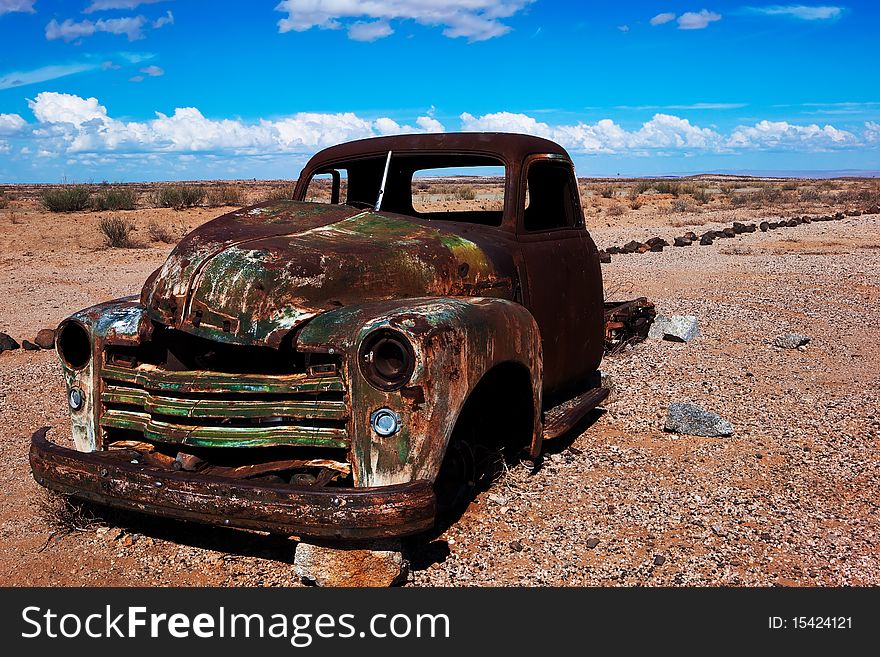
point(66, 516)
point(702, 195)
point(14, 218)
point(225, 195)
point(680, 205)
point(280, 193)
point(117, 232)
point(691, 220)
point(159, 233)
point(606, 191)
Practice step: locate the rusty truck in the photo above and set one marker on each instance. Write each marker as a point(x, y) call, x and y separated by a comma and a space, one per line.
point(321, 367)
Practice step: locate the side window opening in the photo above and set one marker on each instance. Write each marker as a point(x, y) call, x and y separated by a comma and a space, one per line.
point(327, 187)
point(550, 197)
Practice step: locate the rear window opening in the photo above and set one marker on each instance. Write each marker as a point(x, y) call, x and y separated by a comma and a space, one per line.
point(477, 193)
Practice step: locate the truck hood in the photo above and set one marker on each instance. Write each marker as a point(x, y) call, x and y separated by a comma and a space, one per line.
point(251, 276)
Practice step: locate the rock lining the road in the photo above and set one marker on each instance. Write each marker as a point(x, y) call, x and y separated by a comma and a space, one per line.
point(695, 420)
point(656, 244)
point(791, 340)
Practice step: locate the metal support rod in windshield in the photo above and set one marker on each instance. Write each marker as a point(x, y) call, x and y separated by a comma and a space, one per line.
point(382, 186)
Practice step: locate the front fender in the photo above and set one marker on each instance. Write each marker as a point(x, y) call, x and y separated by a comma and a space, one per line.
point(456, 342)
point(123, 321)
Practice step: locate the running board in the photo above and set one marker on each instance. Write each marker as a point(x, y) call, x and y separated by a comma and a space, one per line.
point(561, 418)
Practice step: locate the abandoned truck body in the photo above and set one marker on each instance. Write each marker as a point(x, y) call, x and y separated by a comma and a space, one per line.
point(314, 368)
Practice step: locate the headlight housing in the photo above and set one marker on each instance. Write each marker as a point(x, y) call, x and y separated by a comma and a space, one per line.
point(386, 359)
point(74, 344)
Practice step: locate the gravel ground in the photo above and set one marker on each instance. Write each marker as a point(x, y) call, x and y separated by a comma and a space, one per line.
point(789, 499)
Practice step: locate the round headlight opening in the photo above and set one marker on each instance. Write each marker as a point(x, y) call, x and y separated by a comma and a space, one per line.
point(75, 398)
point(74, 345)
point(385, 422)
point(386, 359)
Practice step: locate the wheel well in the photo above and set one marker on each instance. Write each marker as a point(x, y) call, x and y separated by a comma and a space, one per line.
point(493, 427)
point(499, 412)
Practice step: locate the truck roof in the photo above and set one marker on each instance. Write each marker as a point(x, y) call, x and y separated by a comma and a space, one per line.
point(506, 146)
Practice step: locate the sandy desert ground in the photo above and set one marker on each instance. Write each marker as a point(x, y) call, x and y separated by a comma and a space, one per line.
point(791, 498)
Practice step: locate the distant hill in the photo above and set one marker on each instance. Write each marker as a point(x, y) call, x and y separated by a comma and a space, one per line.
point(782, 173)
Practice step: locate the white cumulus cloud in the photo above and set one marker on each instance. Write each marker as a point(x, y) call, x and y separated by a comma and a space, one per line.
point(802, 12)
point(604, 136)
point(11, 123)
point(784, 135)
point(22, 6)
point(104, 5)
point(52, 107)
point(167, 19)
point(361, 31)
point(475, 20)
point(131, 26)
point(70, 30)
point(697, 20)
point(660, 19)
point(71, 124)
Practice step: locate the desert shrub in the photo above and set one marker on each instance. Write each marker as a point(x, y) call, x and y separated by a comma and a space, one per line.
point(4, 201)
point(66, 199)
point(642, 186)
point(115, 198)
point(281, 193)
point(159, 233)
point(680, 205)
point(809, 194)
point(727, 189)
point(225, 195)
point(702, 195)
point(673, 187)
point(179, 196)
point(870, 195)
point(770, 194)
point(606, 191)
point(616, 210)
point(740, 199)
point(117, 232)
point(667, 187)
point(790, 186)
point(464, 193)
point(634, 201)
point(14, 218)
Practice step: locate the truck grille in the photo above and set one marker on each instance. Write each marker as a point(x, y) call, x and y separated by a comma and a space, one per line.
point(216, 409)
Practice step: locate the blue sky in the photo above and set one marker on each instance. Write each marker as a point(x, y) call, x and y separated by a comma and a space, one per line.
point(124, 90)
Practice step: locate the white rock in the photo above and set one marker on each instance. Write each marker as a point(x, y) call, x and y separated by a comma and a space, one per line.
point(677, 328)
